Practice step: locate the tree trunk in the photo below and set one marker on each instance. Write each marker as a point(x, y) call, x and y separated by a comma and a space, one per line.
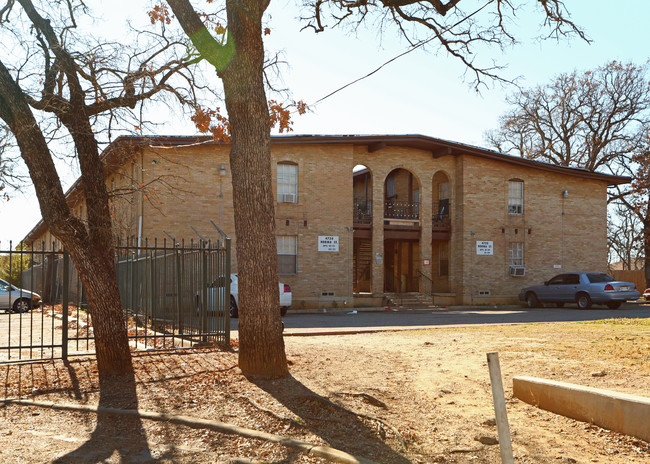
point(91, 253)
point(261, 346)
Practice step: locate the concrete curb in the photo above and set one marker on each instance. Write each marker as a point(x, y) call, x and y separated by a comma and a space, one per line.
point(615, 411)
point(325, 452)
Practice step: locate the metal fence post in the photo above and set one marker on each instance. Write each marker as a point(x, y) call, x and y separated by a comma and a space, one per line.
point(179, 297)
point(64, 306)
point(226, 299)
point(203, 307)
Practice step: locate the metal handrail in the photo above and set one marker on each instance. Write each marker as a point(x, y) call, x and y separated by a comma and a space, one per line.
point(401, 210)
point(363, 212)
point(427, 283)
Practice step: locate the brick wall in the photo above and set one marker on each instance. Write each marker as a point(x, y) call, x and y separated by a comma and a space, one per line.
point(179, 189)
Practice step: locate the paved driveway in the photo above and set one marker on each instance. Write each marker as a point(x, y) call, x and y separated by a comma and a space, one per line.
point(342, 321)
point(34, 331)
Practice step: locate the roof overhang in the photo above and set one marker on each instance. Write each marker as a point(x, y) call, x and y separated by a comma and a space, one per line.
point(124, 147)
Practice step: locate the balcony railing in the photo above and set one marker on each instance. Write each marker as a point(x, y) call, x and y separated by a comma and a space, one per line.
point(441, 218)
point(363, 212)
point(401, 210)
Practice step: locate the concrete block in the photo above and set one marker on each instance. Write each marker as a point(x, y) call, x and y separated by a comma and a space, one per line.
point(620, 412)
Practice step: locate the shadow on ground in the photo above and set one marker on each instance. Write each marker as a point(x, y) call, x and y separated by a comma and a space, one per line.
point(123, 435)
point(339, 427)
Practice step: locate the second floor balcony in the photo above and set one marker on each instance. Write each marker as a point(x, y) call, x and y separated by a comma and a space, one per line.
point(362, 212)
point(441, 218)
point(401, 210)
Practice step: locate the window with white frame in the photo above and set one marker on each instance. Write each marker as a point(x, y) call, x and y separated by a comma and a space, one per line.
point(515, 197)
point(516, 254)
point(287, 183)
point(287, 254)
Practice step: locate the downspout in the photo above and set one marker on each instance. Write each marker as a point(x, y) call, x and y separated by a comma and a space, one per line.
point(141, 199)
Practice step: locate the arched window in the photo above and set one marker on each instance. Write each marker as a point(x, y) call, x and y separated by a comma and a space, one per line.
point(287, 183)
point(515, 196)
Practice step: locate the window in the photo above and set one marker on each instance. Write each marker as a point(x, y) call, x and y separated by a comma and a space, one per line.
point(287, 183)
point(515, 197)
point(572, 279)
point(599, 277)
point(443, 191)
point(516, 254)
point(287, 254)
point(390, 187)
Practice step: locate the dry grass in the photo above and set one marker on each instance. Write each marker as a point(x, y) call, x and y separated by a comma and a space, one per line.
point(429, 390)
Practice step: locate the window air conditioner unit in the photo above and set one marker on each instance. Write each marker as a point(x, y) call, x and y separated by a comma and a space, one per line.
point(287, 198)
point(517, 271)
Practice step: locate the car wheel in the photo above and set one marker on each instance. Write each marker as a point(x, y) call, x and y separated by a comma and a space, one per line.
point(283, 310)
point(531, 300)
point(614, 304)
point(21, 305)
point(559, 305)
point(583, 301)
point(234, 312)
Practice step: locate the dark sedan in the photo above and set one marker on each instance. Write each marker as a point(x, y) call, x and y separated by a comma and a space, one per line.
point(582, 288)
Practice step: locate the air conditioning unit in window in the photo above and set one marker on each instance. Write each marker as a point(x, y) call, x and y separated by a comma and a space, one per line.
point(517, 271)
point(286, 198)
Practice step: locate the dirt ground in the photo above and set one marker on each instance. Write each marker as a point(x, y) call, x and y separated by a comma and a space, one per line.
point(394, 397)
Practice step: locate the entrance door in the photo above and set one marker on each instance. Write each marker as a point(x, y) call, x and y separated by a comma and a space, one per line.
point(362, 265)
point(401, 258)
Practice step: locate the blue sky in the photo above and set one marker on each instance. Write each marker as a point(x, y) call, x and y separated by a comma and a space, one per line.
point(422, 93)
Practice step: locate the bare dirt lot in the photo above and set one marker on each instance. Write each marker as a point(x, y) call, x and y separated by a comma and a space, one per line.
point(394, 397)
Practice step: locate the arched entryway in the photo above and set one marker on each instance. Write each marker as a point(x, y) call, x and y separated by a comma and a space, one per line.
point(401, 232)
point(362, 219)
point(441, 232)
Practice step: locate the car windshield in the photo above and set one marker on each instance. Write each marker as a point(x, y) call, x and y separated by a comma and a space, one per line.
point(598, 277)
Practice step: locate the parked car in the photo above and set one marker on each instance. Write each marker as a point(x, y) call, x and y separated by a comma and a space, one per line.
point(582, 288)
point(17, 299)
point(646, 294)
point(285, 295)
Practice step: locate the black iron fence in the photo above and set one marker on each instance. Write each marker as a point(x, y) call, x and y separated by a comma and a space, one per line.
point(441, 217)
point(174, 295)
point(362, 212)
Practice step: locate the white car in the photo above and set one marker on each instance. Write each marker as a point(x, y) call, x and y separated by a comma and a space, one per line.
point(17, 299)
point(285, 295)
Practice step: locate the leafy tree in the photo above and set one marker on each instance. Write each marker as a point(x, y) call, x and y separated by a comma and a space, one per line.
point(12, 265)
point(62, 87)
point(238, 58)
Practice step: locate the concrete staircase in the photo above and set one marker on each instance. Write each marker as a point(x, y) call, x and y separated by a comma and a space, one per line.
point(406, 301)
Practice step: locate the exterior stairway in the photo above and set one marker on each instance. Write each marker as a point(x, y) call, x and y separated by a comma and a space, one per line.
point(406, 301)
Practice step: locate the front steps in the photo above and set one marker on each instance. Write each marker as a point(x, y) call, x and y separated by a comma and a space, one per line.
point(412, 300)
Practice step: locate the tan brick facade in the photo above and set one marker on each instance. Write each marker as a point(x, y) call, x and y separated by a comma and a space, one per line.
point(178, 188)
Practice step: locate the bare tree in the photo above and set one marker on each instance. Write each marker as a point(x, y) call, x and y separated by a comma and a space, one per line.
point(594, 120)
point(638, 201)
point(624, 237)
point(59, 90)
point(10, 178)
point(238, 58)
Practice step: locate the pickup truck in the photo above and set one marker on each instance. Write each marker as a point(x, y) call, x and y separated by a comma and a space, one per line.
point(285, 295)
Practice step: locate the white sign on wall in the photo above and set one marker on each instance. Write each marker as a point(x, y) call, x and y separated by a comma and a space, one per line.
point(328, 243)
point(484, 247)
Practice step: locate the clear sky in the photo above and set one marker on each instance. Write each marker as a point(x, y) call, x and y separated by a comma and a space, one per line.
point(423, 92)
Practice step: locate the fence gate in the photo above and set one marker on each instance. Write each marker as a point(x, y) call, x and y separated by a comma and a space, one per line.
point(173, 296)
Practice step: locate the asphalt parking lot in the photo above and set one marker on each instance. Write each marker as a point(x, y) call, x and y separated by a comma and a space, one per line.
point(376, 319)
